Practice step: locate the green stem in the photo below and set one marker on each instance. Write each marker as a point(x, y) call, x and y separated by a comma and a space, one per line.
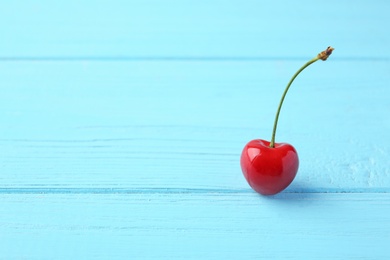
point(321, 56)
point(272, 144)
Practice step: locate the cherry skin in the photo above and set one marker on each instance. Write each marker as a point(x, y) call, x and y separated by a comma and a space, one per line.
point(269, 170)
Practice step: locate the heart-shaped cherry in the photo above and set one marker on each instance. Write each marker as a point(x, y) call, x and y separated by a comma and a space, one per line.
point(270, 167)
point(269, 170)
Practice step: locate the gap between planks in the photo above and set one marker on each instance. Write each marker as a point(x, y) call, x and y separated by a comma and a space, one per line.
point(174, 58)
point(108, 190)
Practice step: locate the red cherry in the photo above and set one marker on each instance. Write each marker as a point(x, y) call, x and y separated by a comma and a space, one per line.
point(270, 167)
point(269, 170)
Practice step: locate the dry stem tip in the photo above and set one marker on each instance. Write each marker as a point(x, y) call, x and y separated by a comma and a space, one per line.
point(326, 53)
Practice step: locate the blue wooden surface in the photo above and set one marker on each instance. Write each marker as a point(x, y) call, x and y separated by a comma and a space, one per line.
point(122, 123)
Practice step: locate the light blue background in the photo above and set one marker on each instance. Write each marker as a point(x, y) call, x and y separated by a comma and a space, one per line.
point(122, 123)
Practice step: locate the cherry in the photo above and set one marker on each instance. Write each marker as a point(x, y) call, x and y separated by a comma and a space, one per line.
point(269, 170)
point(270, 167)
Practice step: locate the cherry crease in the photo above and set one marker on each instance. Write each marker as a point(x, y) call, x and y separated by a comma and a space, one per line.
point(269, 170)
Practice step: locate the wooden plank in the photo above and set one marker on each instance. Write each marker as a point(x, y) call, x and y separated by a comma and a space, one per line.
point(183, 124)
point(207, 225)
point(190, 28)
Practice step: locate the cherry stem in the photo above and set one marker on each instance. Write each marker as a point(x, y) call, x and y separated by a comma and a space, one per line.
point(321, 56)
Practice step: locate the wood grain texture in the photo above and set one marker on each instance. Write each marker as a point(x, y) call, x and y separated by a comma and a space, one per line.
point(122, 123)
point(206, 225)
point(183, 124)
point(190, 28)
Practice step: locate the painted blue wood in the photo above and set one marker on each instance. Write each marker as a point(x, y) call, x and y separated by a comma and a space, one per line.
point(122, 123)
point(183, 124)
point(154, 28)
point(204, 225)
